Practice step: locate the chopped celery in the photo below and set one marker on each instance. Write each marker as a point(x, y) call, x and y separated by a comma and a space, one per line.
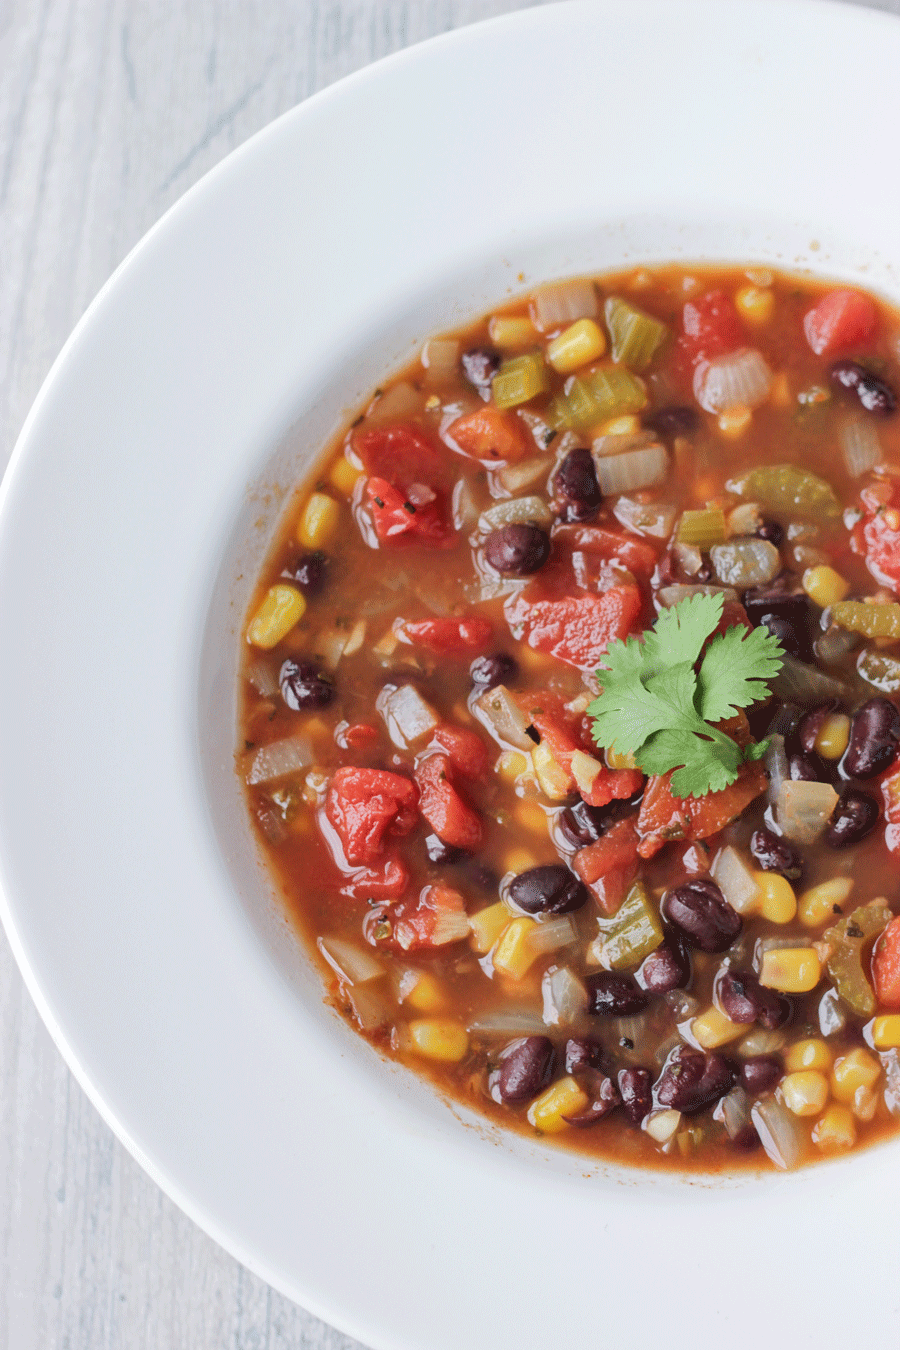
point(787, 488)
point(633, 932)
point(873, 621)
point(589, 400)
point(635, 336)
point(702, 528)
point(519, 379)
point(881, 670)
point(847, 940)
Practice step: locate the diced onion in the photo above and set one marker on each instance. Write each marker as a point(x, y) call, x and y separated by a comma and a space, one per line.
point(465, 507)
point(761, 1042)
point(672, 595)
point(517, 511)
point(777, 767)
point(651, 518)
point(562, 302)
point(860, 446)
point(779, 1130)
point(745, 562)
point(515, 477)
point(734, 879)
point(734, 1112)
point(329, 647)
point(369, 1006)
point(350, 963)
point(278, 759)
point(565, 997)
point(262, 677)
point(440, 357)
point(401, 401)
point(552, 935)
point(740, 379)
point(803, 808)
point(508, 1022)
point(631, 470)
point(833, 1013)
point(890, 1060)
point(406, 714)
point(498, 711)
point(618, 443)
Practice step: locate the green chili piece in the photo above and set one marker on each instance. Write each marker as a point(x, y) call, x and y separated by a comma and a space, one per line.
point(702, 528)
point(633, 932)
point(789, 489)
point(846, 940)
point(873, 621)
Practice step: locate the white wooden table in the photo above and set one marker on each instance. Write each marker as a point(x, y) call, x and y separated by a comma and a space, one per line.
point(109, 111)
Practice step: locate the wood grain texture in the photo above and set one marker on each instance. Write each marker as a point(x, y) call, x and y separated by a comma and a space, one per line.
point(109, 111)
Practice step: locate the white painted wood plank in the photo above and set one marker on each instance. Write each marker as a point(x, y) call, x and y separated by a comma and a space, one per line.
point(109, 111)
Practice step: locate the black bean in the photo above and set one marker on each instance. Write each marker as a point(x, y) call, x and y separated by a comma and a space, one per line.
point(308, 572)
point(575, 486)
point(744, 999)
point(874, 393)
point(771, 531)
point(669, 967)
point(548, 889)
point(613, 995)
point(795, 643)
point(775, 598)
point(811, 724)
point(483, 878)
point(489, 671)
point(526, 1067)
point(439, 852)
point(304, 686)
point(760, 1073)
point(774, 854)
point(855, 816)
point(583, 1053)
point(692, 1080)
point(807, 768)
point(517, 549)
point(582, 824)
point(746, 1138)
point(874, 733)
point(480, 365)
point(699, 910)
point(604, 1097)
point(675, 421)
point(636, 1093)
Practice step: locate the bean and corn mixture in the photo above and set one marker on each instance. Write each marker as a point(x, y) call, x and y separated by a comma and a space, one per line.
point(570, 724)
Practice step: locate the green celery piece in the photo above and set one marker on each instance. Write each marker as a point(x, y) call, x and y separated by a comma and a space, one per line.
point(633, 932)
point(702, 528)
point(635, 336)
point(789, 489)
point(845, 966)
point(520, 379)
point(880, 670)
point(616, 392)
point(873, 621)
point(581, 406)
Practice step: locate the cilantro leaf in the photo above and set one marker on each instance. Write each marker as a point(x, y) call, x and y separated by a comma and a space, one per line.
point(657, 705)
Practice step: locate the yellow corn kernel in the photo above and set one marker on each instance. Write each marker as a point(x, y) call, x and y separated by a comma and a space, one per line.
point(531, 816)
point(626, 424)
point(487, 925)
point(811, 1054)
point(615, 759)
point(427, 994)
point(835, 1129)
point(513, 954)
point(282, 608)
point(805, 1093)
point(561, 1099)
point(834, 736)
point(821, 903)
point(755, 304)
point(581, 342)
point(519, 860)
point(855, 1070)
point(440, 1038)
point(512, 333)
point(511, 765)
point(824, 585)
point(319, 520)
point(712, 1028)
point(886, 1032)
point(344, 476)
point(735, 422)
point(553, 780)
point(792, 970)
point(776, 900)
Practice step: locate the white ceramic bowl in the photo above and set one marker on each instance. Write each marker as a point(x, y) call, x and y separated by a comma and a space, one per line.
point(142, 494)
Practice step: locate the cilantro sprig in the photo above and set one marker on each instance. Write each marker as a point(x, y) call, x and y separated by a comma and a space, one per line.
point(659, 705)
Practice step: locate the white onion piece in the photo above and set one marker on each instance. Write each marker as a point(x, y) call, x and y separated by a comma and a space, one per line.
point(406, 714)
point(440, 357)
point(734, 879)
point(802, 810)
point(278, 759)
point(350, 963)
point(890, 1060)
point(631, 470)
point(565, 997)
point(745, 562)
point(271, 822)
point(672, 595)
point(682, 1005)
point(734, 1111)
point(330, 647)
point(739, 379)
point(651, 518)
point(777, 766)
point(450, 925)
point(779, 1130)
point(688, 557)
point(761, 1042)
point(508, 1022)
point(662, 1125)
point(515, 477)
point(833, 1014)
point(369, 1006)
point(262, 677)
point(401, 401)
point(860, 446)
point(562, 302)
point(551, 935)
point(617, 444)
point(498, 711)
point(465, 507)
point(517, 511)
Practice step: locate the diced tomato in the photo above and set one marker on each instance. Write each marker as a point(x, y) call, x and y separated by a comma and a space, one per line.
point(613, 785)
point(613, 546)
point(446, 636)
point(559, 740)
point(448, 815)
point(710, 327)
point(890, 795)
point(465, 749)
point(365, 805)
point(842, 319)
point(886, 966)
point(437, 918)
point(614, 851)
point(664, 817)
point(398, 519)
point(400, 454)
point(576, 629)
point(877, 535)
point(385, 879)
point(562, 742)
point(358, 736)
point(489, 434)
point(610, 890)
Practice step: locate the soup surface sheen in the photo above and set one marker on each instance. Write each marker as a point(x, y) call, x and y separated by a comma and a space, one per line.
point(554, 934)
